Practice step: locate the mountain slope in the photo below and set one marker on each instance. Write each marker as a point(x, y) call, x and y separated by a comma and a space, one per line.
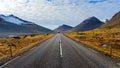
point(10, 27)
point(88, 24)
point(14, 19)
point(114, 22)
point(37, 28)
point(12, 23)
point(63, 28)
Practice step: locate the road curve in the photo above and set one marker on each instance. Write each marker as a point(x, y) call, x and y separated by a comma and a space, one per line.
point(61, 52)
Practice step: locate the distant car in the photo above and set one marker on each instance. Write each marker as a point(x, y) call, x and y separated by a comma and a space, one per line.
point(58, 32)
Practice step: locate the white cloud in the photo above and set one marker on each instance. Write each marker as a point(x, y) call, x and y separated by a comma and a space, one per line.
point(51, 13)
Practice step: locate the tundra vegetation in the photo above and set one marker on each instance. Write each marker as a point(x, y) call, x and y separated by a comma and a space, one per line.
point(104, 40)
point(19, 44)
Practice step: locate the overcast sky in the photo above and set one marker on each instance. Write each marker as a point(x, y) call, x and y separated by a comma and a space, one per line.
point(52, 13)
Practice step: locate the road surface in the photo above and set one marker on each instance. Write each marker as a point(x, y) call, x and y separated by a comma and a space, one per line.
point(61, 52)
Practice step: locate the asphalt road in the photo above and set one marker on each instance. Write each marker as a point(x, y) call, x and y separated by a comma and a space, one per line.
point(61, 52)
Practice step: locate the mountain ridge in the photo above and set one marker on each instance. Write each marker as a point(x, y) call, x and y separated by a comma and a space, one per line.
point(88, 24)
point(113, 22)
point(63, 28)
point(13, 23)
point(14, 19)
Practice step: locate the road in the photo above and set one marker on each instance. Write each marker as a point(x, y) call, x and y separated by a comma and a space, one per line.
point(61, 52)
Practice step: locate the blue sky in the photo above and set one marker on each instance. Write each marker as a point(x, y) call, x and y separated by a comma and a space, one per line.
point(52, 13)
point(96, 1)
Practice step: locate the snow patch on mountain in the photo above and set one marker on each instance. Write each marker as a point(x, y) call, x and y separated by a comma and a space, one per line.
point(14, 19)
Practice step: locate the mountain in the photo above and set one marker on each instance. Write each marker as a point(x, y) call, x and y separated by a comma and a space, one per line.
point(12, 23)
point(88, 24)
point(37, 28)
point(10, 27)
point(63, 28)
point(14, 19)
point(114, 22)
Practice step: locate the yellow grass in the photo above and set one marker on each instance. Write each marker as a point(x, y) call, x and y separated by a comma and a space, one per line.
point(21, 43)
point(97, 37)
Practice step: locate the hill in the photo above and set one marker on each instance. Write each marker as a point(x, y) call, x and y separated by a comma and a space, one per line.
point(113, 23)
point(63, 28)
point(88, 24)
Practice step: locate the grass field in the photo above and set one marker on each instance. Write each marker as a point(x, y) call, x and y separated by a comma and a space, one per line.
point(98, 38)
point(20, 44)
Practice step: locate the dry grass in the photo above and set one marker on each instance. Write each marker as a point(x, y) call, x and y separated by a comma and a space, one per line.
point(96, 38)
point(22, 43)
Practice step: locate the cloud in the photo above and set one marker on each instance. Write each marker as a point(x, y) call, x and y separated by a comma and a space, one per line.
point(51, 13)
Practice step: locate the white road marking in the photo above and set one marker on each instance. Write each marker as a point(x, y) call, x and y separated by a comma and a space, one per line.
point(61, 54)
point(33, 48)
point(9, 61)
point(60, 41)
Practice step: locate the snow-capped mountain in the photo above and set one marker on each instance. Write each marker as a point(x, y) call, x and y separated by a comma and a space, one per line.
point(14, 19)
point(12, 23)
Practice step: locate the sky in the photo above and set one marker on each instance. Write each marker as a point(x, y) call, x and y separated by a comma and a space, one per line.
point(53, 13)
